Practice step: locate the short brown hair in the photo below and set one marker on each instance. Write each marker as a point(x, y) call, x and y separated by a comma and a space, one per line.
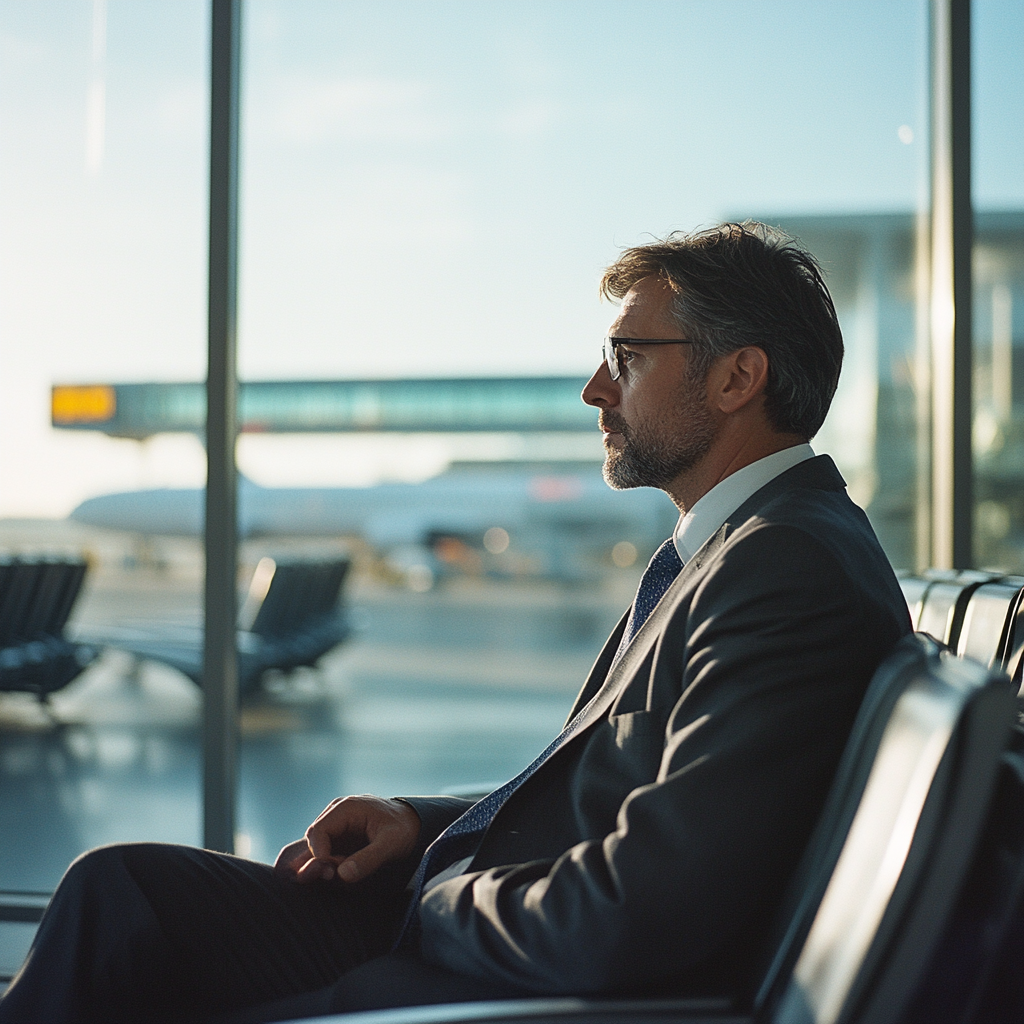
point(748, 284)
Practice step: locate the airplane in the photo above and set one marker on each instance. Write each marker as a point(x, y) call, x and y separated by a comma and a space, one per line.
point(565, 520)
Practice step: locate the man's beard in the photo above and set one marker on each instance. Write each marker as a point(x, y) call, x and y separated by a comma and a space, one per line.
point(652, 455)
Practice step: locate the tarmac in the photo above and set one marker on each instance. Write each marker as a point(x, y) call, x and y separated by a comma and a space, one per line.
point(448, 690)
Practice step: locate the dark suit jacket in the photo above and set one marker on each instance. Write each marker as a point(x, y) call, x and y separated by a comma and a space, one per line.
point(652, 849)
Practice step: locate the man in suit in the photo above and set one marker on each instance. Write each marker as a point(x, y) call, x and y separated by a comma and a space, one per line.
point(648, 848)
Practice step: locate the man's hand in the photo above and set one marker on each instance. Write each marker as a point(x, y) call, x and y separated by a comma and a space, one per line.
point(351, 839)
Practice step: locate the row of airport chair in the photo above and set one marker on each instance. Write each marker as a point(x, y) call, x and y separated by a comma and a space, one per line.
point(290, 619)
point(36, 599)
point(978, 615)
point(908, 905)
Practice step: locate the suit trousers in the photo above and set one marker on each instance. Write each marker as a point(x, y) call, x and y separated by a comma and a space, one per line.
point(151, 932)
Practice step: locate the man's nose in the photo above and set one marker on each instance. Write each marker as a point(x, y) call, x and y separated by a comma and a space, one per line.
point(601, 391)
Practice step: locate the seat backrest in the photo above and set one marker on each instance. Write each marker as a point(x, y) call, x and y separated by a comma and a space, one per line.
point(299, 593)
point(284, 606)
point(16, 611)
point(974, 971)
point(47, 597)
point(1013, 655)
point(914, 589)
point(36, 597)
point(885, 863)
point(334, 578)
point(73, 576)
point(988, 620)
point(7, 575)
point(259, 587)
point(945, 604)
point(331, 582)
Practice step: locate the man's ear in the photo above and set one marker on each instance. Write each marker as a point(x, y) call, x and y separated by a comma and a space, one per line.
point(739, 378)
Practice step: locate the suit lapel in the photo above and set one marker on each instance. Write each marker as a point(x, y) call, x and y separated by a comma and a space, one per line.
point(598, 696)
point(647, 635)
point(599, 672)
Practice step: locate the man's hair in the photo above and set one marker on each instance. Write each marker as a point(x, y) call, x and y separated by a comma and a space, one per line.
point(748, 284)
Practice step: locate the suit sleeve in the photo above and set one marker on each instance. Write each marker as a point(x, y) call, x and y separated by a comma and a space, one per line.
point(436, 813)
point(770, 660)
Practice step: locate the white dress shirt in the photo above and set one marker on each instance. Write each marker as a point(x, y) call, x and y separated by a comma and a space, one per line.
point(703, 521)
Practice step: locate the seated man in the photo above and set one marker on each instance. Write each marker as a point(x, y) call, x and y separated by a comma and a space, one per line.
point(648, 848)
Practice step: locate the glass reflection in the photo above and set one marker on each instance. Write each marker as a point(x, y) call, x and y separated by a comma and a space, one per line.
point(430, 191)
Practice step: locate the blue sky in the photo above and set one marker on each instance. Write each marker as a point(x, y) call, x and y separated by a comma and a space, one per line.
point(428, 187)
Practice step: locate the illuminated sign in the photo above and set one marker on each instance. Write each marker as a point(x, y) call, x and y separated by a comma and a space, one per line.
point(83, 403)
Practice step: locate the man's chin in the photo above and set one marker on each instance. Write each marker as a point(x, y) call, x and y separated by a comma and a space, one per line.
point(619, 475)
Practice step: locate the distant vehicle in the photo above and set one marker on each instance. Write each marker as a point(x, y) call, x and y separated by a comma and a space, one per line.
point(549, 522)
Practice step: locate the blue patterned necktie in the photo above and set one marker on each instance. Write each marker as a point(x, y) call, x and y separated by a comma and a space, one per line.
point(462, 837)
point(662, 569)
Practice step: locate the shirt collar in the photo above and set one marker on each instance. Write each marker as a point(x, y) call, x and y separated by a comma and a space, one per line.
point(702, 521)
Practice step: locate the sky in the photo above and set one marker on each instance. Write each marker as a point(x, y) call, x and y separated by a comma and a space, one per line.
point(428, 188)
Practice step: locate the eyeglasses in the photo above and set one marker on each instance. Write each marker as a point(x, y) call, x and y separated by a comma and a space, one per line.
point(611, 354)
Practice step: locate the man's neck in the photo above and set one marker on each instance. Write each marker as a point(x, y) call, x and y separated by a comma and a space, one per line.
point(722, 461)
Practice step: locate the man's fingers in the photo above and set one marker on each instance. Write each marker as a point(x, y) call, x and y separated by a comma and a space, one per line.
point(335, 835)
point(319, 841)
point(353, 837)
point(292, 857)
point(364, 862)
point(316, 871)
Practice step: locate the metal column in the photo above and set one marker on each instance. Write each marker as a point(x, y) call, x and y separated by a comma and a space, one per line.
point(952, 230)
point(220, 659)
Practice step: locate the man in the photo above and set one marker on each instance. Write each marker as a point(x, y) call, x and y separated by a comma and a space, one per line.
point(648, 848)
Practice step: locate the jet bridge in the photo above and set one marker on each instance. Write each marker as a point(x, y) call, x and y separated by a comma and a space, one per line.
point(451, 405)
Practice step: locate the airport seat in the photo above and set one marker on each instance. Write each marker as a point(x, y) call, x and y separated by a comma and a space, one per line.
point(290, 619)
point(873, 899)
point(981, 614)
point(1013, 654)
point(988, 621)
point(914, 589)
point(974, 974)
point(944, 602)
point(36, 599)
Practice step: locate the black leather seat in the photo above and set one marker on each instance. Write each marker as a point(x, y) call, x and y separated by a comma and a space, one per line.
point(988, 621)
point(36, 599)
point(944, 603)
point(914, 589)
point(974, 976)
point(873, 895)
point(1013, 655)
point(291, 618)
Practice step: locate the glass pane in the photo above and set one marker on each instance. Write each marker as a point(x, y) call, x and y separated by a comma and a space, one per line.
point(998, 186)
point(430, 192)
point(102, 281)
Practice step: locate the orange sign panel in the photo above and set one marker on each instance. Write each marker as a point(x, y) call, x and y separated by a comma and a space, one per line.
point(83, 403)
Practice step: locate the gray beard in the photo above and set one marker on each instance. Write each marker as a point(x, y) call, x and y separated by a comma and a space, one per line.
point(647, 460)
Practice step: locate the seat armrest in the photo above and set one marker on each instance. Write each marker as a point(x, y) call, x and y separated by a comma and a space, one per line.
point(557, 1011)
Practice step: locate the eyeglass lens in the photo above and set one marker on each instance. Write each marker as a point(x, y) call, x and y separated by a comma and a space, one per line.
point(611, 357)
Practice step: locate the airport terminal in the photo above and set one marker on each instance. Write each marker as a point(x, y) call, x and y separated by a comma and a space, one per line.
point(299, 497)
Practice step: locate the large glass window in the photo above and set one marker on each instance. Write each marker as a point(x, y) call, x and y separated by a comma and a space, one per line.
point(102, 279)
point(430, 191)
point(998, 186)
point(429, 194)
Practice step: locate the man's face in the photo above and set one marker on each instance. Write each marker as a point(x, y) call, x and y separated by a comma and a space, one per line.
point(656, 419)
